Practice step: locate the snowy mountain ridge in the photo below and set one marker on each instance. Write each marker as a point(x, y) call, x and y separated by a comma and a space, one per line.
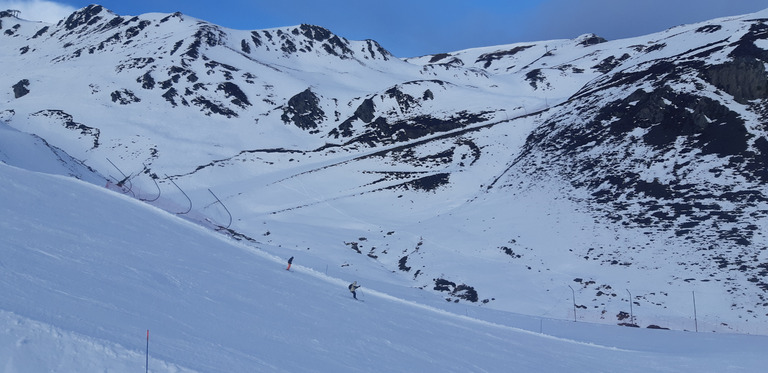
point(479, 174)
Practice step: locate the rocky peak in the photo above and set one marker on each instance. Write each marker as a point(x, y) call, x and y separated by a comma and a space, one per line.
point(85, 17)
point(304, 39)
point(589, 39)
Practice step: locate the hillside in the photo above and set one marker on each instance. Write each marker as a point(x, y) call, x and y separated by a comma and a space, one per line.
point(631, 171)
point(86, 272)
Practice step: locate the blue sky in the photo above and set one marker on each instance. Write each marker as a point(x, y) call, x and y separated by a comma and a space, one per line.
point(410, 28)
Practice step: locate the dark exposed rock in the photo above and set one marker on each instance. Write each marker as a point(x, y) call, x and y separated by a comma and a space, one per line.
point(656, 327)
point(610, 62)
point(746, 47)
point(303, 110)
point(591, 39)
point(135, 63)
point(380, 131)
point(708, 29)
point(375, 49)
point(425, 183)
point(488, 58)
point(288, 47)
point(114, 22)
point(744, 78)
point(86, 16)
point(331, 42)
point(209, 35)
point(365, 111)
point(124, 97)
point(171, 95)
point(12, 31)
point(655, 47)
point(209, 107)
point(214, 64)
point(313, 32)
point(245, 47)
point(176, 46)
point(436, 58)
point(444, 285)
point(688, 115)
point(461, 291)
point(231, 90)
point(402, 265)
point(404, 100)
point(146, 80)
point(135, 30)
point(354, 246)
point(534, 77)
point(40, 32)
point(170, 16)
point(20, 89)
point(256, 38)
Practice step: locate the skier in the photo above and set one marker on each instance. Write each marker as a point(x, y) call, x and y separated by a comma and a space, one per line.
point(289, 264)
point(352, 287)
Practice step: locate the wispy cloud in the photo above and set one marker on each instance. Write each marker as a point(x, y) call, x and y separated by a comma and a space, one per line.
point(38, 10)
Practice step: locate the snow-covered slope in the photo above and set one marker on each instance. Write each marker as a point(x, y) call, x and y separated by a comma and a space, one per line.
point(86, 272)
point(631, 171)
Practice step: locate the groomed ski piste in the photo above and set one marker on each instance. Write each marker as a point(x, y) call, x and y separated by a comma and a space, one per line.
point(86, 272)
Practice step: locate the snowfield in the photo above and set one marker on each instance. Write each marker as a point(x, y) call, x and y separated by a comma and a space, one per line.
point(86, 272)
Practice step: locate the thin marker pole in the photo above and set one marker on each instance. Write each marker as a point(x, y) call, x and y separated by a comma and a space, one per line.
point(574, 302)
point(147, 363)
point(695, 317)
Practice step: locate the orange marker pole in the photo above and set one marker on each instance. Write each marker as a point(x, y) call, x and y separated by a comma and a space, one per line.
point(147, 363)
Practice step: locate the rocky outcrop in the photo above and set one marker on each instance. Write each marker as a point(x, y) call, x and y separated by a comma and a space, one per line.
point(20, 89)
point(303, 110)
point(87, 16)
point(124, 97)
point(590, 39)
point(744, 78)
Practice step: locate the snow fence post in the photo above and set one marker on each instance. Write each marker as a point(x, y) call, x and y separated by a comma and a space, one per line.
point(146, 365)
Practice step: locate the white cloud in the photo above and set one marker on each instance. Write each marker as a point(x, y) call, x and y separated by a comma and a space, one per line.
point(38, 10)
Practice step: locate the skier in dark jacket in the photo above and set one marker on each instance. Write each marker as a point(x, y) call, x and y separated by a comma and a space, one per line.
point(352, 287)
point(290, 261)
